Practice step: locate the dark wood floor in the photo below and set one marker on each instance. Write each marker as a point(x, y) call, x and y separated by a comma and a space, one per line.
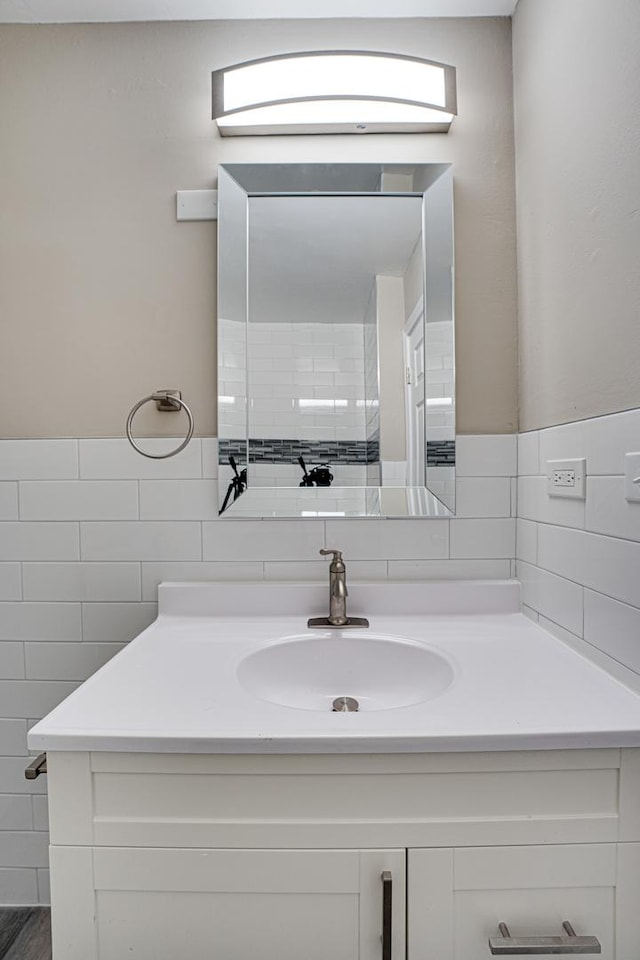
point(25, 933)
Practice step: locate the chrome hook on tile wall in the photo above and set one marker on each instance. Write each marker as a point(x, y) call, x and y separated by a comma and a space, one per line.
point(166, 401)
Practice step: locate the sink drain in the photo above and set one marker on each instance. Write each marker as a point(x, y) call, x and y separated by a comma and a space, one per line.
point(345, 705)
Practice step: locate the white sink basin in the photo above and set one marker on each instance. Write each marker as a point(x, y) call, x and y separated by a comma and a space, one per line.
point(310, 671)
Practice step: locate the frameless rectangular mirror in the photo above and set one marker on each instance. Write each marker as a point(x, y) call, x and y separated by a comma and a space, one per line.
point(336, 382)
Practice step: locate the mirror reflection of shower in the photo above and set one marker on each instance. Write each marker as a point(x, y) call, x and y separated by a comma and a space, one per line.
point(329, 361)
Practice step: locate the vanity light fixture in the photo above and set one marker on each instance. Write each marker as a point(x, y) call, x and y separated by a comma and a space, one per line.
point(334, 91)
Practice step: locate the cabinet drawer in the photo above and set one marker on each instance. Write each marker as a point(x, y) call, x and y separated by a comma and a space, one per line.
point(458, 897)
point(330, 802)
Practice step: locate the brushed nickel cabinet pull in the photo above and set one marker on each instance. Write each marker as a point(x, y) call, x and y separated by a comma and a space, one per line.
point(505, 944)
point(387, 909)
point(37, 766)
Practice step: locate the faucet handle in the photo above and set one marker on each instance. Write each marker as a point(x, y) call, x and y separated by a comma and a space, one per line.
point(337, 554)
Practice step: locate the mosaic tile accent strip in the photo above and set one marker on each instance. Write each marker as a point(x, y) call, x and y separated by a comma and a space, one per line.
point(373, 447)
point(232, 448)
point(441, 453)
point(288, 451)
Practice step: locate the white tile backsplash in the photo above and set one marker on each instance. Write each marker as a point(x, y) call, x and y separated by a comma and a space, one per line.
point(8, 500)
point(44, 886)
point(209, 457)
point(33, 697)
point(483, 497)
point(581, 569)
point(116, 622)
point(15, 812)
point(39, 541)
point(529, 453)
point(40, 813)
point(608, 439)
point(155, 573)
point(486, 456)
point(79, 500)
point(475, 539)
point(38, 459)
point(66, 661)
point(527, 541)
point(613, 627)
point(611, 666)
point(607, 510)
point(12, 775)
point(81, 581)
point(605, 564)
point(449, 569)
point(117, 460)
point(10, 581)
point(389, 539)
point(19, 849)
point(12, 738)
point(40, 621)
point(11, 661)
point(534, 503)
point(307, 570)
point(564, 442)
point(262, 540)
point(19, 887)
point(141, 540)
point(554, 597)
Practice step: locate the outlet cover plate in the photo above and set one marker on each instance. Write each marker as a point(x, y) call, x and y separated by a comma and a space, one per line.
point(567, 478)
point(632, 472)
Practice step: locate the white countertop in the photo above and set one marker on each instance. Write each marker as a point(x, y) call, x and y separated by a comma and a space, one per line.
point(174, 688)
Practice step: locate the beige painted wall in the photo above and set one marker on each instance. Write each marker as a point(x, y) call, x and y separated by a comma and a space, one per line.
point(104, 297)
point(577, 108)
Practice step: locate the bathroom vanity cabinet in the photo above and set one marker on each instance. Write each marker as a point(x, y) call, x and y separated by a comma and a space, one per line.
point(206, 802)
point(182, 857)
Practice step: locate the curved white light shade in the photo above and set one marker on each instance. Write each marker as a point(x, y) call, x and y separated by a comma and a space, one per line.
point(342, 91)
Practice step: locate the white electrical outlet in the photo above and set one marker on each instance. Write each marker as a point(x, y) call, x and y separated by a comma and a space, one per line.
point(567, 478)
point(632, 476)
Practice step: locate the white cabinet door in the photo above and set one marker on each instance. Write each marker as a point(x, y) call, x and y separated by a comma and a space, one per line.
point(203, 904)
point(457, 897)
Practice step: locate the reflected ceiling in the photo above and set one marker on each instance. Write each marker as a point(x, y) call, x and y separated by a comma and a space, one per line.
point(352, 240)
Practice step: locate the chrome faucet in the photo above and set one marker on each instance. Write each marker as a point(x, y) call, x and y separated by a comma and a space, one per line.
point(338, 594)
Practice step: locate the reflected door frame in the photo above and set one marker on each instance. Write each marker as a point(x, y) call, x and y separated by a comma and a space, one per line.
point(414, 394)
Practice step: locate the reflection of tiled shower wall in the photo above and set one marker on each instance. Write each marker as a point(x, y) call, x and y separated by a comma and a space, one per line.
point(231, 380)
point(439, 380)
point(306, 383)
point(372, 393)
point(440, 417)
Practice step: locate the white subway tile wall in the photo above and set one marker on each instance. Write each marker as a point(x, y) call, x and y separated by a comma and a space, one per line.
point(371, 389)
point(439, 380)
point(579, 560)
point(8, 500)
point(88, 528)
point(296, 370)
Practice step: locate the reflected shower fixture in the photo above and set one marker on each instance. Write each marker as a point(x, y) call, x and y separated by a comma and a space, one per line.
point(334, 91)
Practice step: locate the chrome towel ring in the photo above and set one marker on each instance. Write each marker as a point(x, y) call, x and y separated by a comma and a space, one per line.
point(167, 401)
